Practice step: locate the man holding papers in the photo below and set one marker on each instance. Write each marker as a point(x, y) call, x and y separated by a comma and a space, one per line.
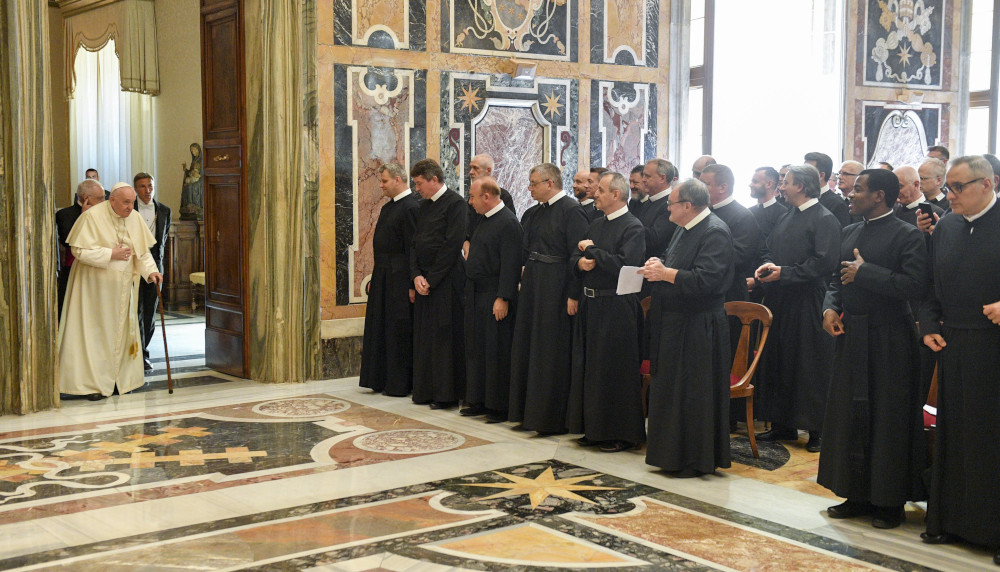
point(605, 399)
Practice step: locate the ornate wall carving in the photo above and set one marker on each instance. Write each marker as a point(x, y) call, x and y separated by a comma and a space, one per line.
point(624, 32)
point(386, 24)
point(899, 135)
point(904, 43)
point(541, 29)
point(623, 124)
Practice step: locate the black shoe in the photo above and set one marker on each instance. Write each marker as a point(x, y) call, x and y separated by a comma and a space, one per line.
point(888, 517)
point(686, 474)
point(472, 411)
point(584, 442)
point(496, 417)
point(776, 434)
point(815, 442)
point(95, 397)
point(146, 364)
point(442, 404)
point(939, 538)
point(850, 509)
point(615, 446)
point(551, 433)
point(520, 427)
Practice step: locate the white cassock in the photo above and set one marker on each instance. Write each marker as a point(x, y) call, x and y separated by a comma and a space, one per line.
point(99, 342)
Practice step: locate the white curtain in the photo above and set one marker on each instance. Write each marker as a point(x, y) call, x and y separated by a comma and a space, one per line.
point(110, 129)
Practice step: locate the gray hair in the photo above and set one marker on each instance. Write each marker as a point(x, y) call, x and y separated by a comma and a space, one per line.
point(664, 169)
point(937, 166)
point(394, 169)
point(978, 166)
point(549, 171)
point(485, 159)
point(693, 191)
point(618, 183)
point(807, 176)
point(89, 188)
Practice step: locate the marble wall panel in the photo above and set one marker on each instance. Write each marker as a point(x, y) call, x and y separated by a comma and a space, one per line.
point(341, 357)
point(622, 124)
point(624, 32)
point(494, 104)
point(899, 135)
point(380, 116)
point(386, 24)
point(904, 42)
point(539, 29)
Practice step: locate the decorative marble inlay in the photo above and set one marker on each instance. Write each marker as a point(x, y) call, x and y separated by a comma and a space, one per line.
point(409, 441)
point(301, 407)
point(542, 29)
point(903, 42)
point(385, 24)
point(899, 134)
point(542, 487)
point(624, 32)
point(623, 132)
point(502, 122)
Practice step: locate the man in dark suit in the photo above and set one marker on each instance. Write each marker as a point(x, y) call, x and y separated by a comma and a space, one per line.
point(829, 199)
point(156, 215)
point(88, 193)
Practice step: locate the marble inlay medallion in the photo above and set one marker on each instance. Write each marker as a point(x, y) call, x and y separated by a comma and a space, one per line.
point(409, 441)
point(623, 124)
point(542, 29)
point(301, 407)
point(899, 134)
point(615, 36)
point(904, 42)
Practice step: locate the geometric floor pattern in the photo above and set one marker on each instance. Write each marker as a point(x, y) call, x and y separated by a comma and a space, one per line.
point(326, 476)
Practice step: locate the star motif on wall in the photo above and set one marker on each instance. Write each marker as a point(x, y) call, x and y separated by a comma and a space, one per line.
point(541, 487)
point(904, 55)
point(470, 98)
point(552, 104)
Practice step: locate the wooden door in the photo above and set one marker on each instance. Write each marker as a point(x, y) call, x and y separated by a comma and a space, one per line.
point(226, 219)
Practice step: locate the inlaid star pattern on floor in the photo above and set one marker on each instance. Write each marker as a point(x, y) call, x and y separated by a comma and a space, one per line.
point(542, 487)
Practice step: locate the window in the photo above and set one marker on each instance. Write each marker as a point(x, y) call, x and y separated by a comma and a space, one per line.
point(982, 125)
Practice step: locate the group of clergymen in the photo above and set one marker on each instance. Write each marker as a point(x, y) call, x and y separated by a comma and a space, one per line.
point(521, 320)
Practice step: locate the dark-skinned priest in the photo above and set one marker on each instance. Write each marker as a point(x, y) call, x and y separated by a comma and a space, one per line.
point(439, 279)
point(605, 400)
point(549, 297)
point(803, 251)
point(493, 270)
point(387, 353)
point(691, 358)
point(960, 319)
point(874, 450)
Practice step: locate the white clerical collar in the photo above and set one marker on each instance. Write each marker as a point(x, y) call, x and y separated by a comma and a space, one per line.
point(773, 200)
point(940, 197)
point(618, 213)
point(880, 216)
point(438, 194)
point(148, 205)
point(555, 198)
point(586, 202)
point(644, 198)
point(495, 210)
point(914, 204)
point(660, 195)
point(808, 204)
point(724, 202)
point(698, 218)
point(993, 201)
point(405, 193)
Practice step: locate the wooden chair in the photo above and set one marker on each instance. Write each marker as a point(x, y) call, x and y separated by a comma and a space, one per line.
point(741, 373)
point(644, 367)
point(930, 415)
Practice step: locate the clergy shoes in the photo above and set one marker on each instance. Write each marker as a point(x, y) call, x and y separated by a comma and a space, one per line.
point(686, 474)
point(442, 404)
point(496, 417)
point(615, 446)
point(939, 538)
point(888, 516)
point(815, 442)
point(584, 442)
point(472, 410)
point(779, 434)
point(850, 509)
point(95, 397)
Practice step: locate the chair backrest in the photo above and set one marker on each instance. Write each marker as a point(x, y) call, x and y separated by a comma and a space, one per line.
point(748, 313)
point(932, 394)
point(645, 302)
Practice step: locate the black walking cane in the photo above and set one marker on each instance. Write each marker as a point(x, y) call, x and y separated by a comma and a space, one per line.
point(163, 326)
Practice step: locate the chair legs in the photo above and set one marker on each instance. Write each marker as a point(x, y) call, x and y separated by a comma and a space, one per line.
point(750, 427)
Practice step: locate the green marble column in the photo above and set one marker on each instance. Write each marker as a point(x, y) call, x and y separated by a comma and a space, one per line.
point(282, 179)
point(28, 323)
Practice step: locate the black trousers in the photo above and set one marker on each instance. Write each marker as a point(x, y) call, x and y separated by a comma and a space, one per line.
point(147, 311)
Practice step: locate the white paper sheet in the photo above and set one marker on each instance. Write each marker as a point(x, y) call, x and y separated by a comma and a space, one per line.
point(629, 280)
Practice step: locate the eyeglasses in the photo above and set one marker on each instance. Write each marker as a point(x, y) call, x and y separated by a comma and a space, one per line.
point(696, 174)
point(534, 183)
point(843, 174)
point(671, 203)
point(957, 188)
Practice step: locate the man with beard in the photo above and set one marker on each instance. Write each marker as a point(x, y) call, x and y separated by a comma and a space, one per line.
point(584, 194)
point(639, 198)
point(874, 448)
point(764, 188)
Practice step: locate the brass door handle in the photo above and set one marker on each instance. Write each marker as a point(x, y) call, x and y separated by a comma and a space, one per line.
point(218, 158)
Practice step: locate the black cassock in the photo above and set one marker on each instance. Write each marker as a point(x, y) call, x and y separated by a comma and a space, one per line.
point(873, 437)
point(438, 338)
point(540, 363)
point(796, 363)
point(636, 206)
point(605, 399)
point(747, 242)
point(689, 389)
point(387, 353)
point(837, 206)
point(942, 203)
point(910, 215)
point(476, 218)
point(768, 216)
point(590, 209)
point(655, 217)
point(493, 271)
point(965, 267)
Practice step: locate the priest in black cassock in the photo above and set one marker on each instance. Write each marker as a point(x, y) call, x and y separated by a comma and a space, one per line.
point(439, 279)
point(493, 270)
point(605, 400)
point(960, 319)
point(767, 211)
point(482, 166)
point(387, 351)
point(932, 173)
point(803, 252)
point(637, 191)
point(550, 292)
point(585, 194)
point(829, 199)
point(910, 197)
point(874, 451)
point(657, 175)
point(691, 359)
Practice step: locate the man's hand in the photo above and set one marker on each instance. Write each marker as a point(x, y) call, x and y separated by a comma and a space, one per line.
point(586, 264)
point(465, 249)
point(832, 323)
point(121, 252)
point(768, 272)
point(422, 286)
point(500, 307)
point(155, 277)
point(751, 283)
point(992, 311)
point(927, 222)
point(583, 244)
point(571, 306)
point(655, 271)
point(850, 268)
point(934, 342)
point(413, 295)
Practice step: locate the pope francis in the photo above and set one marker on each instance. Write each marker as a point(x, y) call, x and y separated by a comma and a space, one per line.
point(99, 343)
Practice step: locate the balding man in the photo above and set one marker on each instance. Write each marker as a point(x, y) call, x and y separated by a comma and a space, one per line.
point(699, 165)
point(99, 340)
point(584, 193)
point(832, 201)
point(931, 173)
point(88, 193)
point(846, 177)
point(482, 166)
point(910, 197)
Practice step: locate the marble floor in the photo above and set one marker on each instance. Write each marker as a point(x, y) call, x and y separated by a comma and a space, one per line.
point(226, 474)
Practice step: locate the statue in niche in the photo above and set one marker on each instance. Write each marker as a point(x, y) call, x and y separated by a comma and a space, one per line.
point(192, 193)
